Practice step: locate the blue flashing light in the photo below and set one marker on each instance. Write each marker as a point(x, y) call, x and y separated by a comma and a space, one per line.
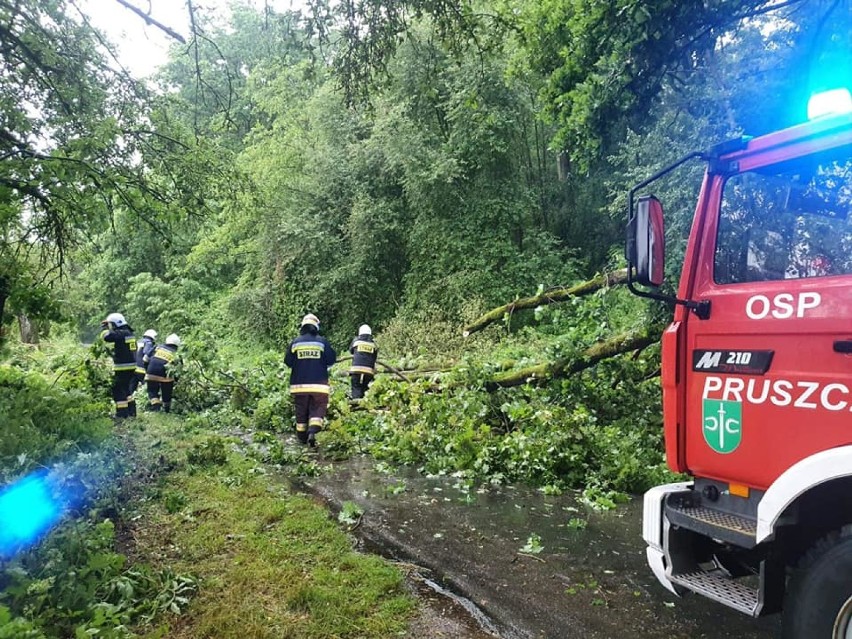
point(28, 509)
point(833, 102)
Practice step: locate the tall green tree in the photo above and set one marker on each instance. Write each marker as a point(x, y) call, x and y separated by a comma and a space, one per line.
point(82, 142)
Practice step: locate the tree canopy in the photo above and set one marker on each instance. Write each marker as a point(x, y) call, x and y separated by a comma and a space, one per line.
point(370, 161)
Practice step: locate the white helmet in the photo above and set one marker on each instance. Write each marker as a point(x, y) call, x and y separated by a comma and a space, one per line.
point(173, 340)
point(150, 333)
point(116, 318)
point(365, 330)
point(310, 320)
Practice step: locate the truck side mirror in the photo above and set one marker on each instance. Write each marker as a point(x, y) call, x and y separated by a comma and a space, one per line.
point(646, 241)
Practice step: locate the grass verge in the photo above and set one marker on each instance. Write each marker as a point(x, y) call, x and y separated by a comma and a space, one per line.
point(271, 563)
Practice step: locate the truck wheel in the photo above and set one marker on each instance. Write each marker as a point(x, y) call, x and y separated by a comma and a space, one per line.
point(818, 604)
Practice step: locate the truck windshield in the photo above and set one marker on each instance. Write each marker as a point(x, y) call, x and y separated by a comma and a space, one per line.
point(786, 222)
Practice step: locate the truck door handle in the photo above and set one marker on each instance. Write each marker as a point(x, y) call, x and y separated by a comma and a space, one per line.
point(843, 346)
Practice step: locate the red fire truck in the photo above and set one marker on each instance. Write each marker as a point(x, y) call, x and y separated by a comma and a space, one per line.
point(757, 377)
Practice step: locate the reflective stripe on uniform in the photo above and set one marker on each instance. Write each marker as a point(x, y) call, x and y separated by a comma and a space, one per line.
point(140, 370)
point(301, 428)
point(156, 400)
point(124, 367)
point(158, 378)
point(315, 421)
point(362, 369)
point(299, 346)
point(121, 404)
point(310, 388)
point(165, 354)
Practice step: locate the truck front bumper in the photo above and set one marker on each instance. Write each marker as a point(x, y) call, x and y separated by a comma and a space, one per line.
point(655, 531)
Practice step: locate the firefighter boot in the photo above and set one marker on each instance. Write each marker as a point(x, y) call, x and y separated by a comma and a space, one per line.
point(302, 433)
point(312, 435)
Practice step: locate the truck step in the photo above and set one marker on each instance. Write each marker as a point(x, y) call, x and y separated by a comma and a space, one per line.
point(717, 524)
point(719, 587)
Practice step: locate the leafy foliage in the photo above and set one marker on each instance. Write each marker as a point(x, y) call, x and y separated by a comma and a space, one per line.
point(600, 431)
point(75, 584)
point(209, 452)
point(350, 514)
point(42, 421)
point(533, 545)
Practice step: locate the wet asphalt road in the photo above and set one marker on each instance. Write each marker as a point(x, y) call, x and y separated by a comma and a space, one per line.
point(589, 580)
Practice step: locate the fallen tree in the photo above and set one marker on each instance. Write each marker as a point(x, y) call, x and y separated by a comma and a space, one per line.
point(564, 367)
point(548, 297)
point(567, 366)
point(388, 367)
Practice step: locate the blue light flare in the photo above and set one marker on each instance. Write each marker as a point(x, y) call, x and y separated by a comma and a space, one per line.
point(28, 509)
point(833, 102)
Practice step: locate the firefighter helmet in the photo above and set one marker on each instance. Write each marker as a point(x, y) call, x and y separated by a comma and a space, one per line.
point(310, 320)
point(150, 333)
point(173, 340)
point(365, 330)
point(116, 318)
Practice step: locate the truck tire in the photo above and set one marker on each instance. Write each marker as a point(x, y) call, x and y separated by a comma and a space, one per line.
point(818, 604)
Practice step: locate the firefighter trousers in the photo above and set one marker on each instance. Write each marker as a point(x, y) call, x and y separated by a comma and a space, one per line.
point(135, 382)
point(360, 384)
point(310, 413)
point(120, 392)
point(155, 400)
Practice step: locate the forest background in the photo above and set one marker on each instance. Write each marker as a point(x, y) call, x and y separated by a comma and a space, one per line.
point(409, 165)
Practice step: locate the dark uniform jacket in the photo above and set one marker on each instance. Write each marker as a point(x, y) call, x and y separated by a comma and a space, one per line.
point(124, 352)
point(159, 364)
point(364, 353)
point(309, 357)
point(143, 354)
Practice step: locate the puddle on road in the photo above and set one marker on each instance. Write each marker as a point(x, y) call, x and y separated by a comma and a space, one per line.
point(480, 618)
point(589, 580)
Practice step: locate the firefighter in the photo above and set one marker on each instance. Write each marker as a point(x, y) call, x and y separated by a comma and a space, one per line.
point(118, 332)
point(364, 353)
point(309, 357)
point(160, 374)
point(143, 355)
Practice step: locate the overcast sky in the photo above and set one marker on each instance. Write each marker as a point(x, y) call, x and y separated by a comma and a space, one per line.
point(142, 48)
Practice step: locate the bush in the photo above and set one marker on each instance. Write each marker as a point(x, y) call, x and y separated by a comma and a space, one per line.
point(42, 420)
point(76, 585)
point(274, 412)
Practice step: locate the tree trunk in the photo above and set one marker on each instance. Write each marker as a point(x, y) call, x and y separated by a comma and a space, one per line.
point(567, 366)
point(4, 295)
point(548, 297)
point(29, 330)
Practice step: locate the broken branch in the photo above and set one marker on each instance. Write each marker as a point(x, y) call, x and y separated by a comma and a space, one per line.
point(393, 370)
point(147, 18)
point(569, 365)
point(548, 297)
